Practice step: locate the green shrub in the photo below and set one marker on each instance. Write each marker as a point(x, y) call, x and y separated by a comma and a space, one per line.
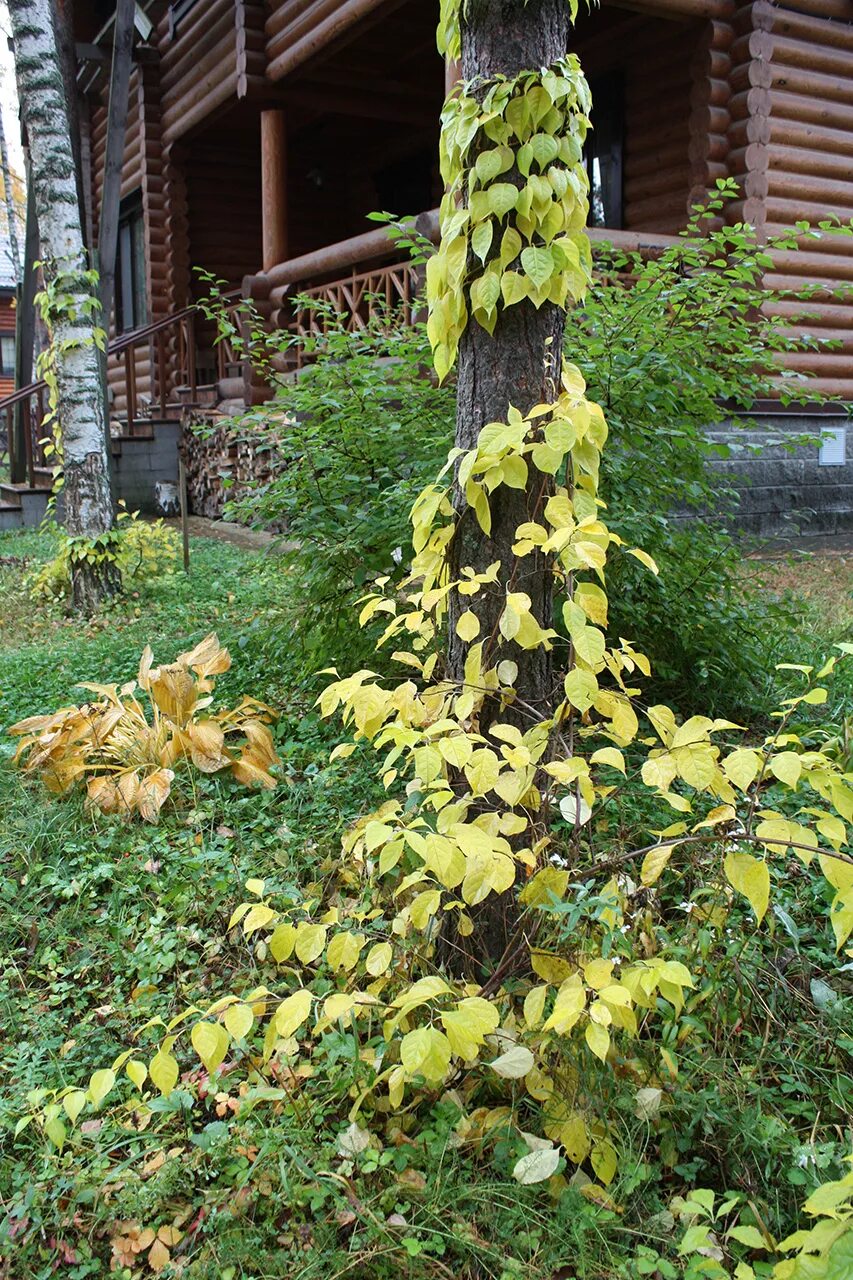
point(147, 550)
point(360, 431)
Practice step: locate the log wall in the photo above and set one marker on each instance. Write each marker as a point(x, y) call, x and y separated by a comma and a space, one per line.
point(7, 325)
point(804, 168)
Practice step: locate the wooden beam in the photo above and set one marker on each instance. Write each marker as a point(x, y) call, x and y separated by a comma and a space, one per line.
point(338, 24)
point(274, 186)
point(114, 157)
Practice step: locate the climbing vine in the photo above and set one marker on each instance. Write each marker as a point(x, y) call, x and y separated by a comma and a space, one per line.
point(515, 205)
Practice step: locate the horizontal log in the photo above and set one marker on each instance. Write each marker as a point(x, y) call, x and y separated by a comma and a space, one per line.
point(659, 209)
point(177, 63)
point(796, 106)
point(323, 33)
point(292, 27)
point(822, 290)
point(284, 13)
point(722, 9)
point(822, 363)
point(809, 56)
point(817, 163)
point(814, 31)
point(192, 90)
point(665, 181)
point(822, 8)
point(831, 193)
point(787, 212)
point(712, 147)
point(797, 133)
point(811, 83)
point(185, 121)
point(829, 266)
point(669, 157)
point(821, 315)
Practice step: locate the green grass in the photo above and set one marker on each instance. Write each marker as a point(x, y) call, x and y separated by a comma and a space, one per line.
point(104, 924)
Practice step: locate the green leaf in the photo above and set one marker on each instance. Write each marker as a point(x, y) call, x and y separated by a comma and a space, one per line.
point(538, 264)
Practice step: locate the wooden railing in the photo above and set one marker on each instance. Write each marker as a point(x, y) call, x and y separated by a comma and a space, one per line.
point(168, 369)
point(386, 295)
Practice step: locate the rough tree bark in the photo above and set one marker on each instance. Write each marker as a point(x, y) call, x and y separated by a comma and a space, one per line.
point(88, 504)
point(519, 366)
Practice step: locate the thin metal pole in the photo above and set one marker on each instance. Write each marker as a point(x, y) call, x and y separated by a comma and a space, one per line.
point(185, 526)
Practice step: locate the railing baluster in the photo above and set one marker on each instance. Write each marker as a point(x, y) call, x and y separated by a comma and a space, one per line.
point(161, 370)
point(10, 440)
point(191, 353)
point(130, 386)
point(28, 442)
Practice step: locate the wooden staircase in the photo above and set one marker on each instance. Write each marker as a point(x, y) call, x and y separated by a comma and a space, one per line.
point(23, 506)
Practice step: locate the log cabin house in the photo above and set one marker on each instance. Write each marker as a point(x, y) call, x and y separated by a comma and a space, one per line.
point(262, 132)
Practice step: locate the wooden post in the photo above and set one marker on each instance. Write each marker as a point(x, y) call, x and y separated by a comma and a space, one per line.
point(452, 74)
point(25, 326)
point(114, 158)
point(185, 528)
point(274, 187)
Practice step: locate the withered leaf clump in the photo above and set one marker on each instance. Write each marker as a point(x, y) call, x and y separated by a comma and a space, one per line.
point(126, 750)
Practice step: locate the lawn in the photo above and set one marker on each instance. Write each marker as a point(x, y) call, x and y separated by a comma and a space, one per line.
point(106, 924)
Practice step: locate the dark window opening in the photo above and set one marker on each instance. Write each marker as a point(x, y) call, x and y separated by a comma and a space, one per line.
point(7, 355)
point(406, 186)
point(603, 151)
point(131, 301)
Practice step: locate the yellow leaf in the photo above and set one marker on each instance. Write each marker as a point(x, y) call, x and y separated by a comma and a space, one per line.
point(749, 876)
point(310, 942)
point(344, 950)
point(654, 863)
point(378, 958)
point(575, 1138)
point(292, 1012)
point(158, 1256)
point(741, 767)
point(598, 1039)
point(568, 1006)
point(424, 907)
point(534, 1005)
point(239, 1019)
point(137, 1072)
point(604, 1162)
point(609, 755)
point(787, 767)
point(282, 941)
point(426, 1052)
point(100, 1084)
point(73, 1103)
point(468, 626)
point(210, 1041)
point(163, 1071)
point(258, 917)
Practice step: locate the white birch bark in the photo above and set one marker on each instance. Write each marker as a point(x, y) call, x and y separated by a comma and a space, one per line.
point(88, 501)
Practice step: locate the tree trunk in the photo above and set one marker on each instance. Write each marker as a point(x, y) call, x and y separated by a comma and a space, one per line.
point(80, 406)
point(518, 366)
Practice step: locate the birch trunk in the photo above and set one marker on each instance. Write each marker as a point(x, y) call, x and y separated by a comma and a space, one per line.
point(80, 405)
point(520, 366)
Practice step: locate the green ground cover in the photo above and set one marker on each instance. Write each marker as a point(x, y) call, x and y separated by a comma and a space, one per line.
point(103, 923)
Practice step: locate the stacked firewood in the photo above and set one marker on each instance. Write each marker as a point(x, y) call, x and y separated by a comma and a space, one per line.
point(222, 464)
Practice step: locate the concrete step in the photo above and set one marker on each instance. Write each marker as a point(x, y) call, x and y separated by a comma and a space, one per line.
point(11, 517)
point(32, 503)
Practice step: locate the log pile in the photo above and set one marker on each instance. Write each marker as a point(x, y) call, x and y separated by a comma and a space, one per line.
point(221, 465)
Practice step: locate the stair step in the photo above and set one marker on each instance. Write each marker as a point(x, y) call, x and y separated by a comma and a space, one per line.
point(43, 477)
point(8, 500)
point(11, 517)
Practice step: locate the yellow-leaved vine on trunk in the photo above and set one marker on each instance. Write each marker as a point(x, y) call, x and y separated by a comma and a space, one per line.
point(474, 801)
